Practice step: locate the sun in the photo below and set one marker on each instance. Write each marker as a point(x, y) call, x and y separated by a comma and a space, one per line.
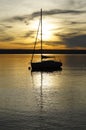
point(46, 29)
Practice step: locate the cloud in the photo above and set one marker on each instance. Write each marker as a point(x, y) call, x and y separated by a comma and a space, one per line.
point(28, 34)
point(53, 43)
point(77, 4)
point(7, 39)
point(71, 40)
point(81, 4)
point(74, 22)
point(8, 26)
point(17, 19)
point(66, 35)
point(25, 18)
point(75, 41)
point(5, 26)
point(21, 43)
point(60, 11)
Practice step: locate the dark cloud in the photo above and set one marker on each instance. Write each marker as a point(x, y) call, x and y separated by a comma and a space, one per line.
point(72, 39)
point(8, 26)
point(25, 18)
point(7, 39)
point(66, 35)
point(74, 23)
point(28, 34)
point(17, 18)
point(60, 11)
point(57, 11)
point(5, 26)
point(75, 41)
point(26, 22)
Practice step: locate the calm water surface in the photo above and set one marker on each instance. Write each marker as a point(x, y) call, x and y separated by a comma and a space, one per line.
point(42, 101)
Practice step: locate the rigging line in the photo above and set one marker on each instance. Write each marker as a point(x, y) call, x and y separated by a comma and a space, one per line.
point(35, 41)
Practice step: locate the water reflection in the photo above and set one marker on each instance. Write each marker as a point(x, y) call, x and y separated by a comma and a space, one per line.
point(60, 99)
point(41, 101)
point(45, 86)
point(59, 90)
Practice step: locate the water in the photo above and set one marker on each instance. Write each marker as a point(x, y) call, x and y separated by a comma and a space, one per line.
point(57, 102)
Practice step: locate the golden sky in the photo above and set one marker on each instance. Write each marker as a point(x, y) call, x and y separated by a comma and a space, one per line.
point(64, 24)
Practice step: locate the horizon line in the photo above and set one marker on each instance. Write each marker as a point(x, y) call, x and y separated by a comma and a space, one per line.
point(44, 51)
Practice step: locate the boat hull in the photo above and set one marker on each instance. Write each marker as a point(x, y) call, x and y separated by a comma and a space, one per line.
point(46, 66)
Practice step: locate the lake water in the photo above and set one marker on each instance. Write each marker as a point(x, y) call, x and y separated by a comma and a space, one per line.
point(42, 101)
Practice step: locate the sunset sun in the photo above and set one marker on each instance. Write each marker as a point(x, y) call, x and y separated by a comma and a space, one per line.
point(46, 29)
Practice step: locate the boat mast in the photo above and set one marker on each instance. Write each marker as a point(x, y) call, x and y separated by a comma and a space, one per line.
point(41, 35)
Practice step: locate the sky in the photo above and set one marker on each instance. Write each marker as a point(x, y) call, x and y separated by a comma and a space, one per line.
point(64, 24)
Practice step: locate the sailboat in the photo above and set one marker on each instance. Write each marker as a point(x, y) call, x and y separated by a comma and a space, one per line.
point(44, 65)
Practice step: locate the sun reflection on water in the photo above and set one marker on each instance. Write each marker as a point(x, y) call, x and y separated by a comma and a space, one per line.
point(48, 80)
point(46, 86)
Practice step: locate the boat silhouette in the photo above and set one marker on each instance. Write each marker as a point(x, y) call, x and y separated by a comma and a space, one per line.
point(44, 65)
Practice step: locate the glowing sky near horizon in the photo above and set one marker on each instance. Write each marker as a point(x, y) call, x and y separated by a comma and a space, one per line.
point(64, 23)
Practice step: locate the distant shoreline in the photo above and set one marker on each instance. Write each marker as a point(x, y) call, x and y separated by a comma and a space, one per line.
point(29, 51)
